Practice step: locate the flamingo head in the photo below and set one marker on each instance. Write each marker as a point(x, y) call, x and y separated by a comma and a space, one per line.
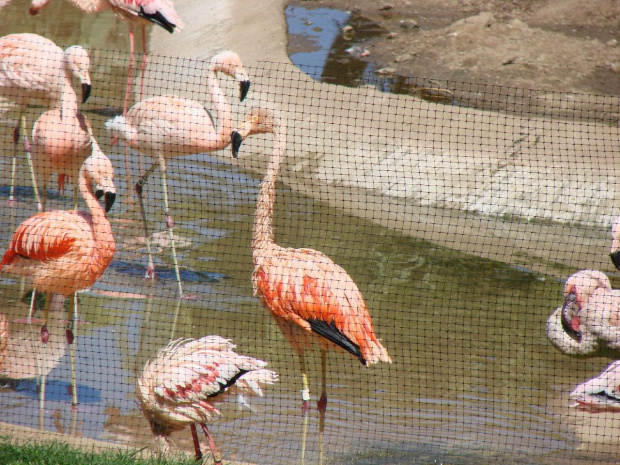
point(101, 171)
point(258, 121)
point(570, 317)
point(229, 63)
point(79, 62)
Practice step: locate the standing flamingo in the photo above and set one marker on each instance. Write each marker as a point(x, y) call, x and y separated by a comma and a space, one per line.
point(169, 126)
point(33, 67)
point(63, 252)
point(589, 320)
point(601, 393)
point(185, 381)
point(311, 298)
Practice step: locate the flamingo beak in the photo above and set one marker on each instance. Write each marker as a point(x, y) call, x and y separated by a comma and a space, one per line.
point(570, 324)
point(110, 198)
point(615, 258)
point(237, 138)
point(86, 88)
point(244, 87)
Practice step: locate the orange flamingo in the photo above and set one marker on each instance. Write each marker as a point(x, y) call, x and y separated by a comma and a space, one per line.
point(63, 252)
point(311, 298)
point(185, 381)
point(601, 393)
point(589, 320)
point(169, 126)
point(134, 12)
point(33, 67)
point(614, 252)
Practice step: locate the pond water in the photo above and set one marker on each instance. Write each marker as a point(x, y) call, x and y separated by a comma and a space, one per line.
point(474, 379)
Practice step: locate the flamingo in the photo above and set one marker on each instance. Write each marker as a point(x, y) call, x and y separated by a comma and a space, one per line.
point(33, 67)
point(614, 252)
point(589, 320)
point(185, 381)
point(601, 393)
point(63, 252)
point(134, 12)
point(168, 126)
point(311, 298)
point(4, 338)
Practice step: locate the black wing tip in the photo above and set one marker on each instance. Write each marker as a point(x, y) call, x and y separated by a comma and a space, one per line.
point(333, 334)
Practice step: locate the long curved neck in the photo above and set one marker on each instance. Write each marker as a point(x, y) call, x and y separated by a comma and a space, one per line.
point(68, 98)
point(262, 232)
point(223, 110)
point(100, 222)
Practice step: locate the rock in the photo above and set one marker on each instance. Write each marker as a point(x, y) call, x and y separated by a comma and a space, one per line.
point(409, 24)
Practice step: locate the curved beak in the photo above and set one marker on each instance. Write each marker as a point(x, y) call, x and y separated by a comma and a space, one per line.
point(110, 198)
point(237, 138)
point(244, 87)
point(569, 322)
point(615, 258)
point(86, 88)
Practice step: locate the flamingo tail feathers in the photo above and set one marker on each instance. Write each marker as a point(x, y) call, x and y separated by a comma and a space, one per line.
point(331, 333)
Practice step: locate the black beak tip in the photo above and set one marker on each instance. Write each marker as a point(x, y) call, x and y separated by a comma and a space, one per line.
point(615, 258)
point(86, 88)
point(244, 87)
point(236, 143)
point(110, 198)
point(99, 193)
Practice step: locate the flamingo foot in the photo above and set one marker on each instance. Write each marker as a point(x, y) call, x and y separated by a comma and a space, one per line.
point(150, 272)
point(322, 403)
point(45, 334)
point(305, 407)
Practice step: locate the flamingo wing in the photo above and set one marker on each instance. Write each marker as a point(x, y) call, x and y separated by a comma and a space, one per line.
point(160, 12)
point(20, 64)
point(306, 287)
point(44, 236)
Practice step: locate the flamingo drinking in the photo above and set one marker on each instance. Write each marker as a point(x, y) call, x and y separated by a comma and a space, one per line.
point(169, 126)
point(311, 298)
point(185, 381)
point(33, 67)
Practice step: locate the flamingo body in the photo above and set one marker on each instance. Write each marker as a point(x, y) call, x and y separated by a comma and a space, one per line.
point(188, 377)
point(601, 393)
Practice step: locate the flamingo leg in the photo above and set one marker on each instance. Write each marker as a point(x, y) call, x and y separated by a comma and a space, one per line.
point(217, 457)
point(192, 428)
point(126, 102)
point(150, 267)
point(70, 334)
point(14, 161)
point(170, 224)
point(142, 70)
point(31, 309)
point(305, 406)
point(322, 403)
point(26, 142)
point(45, 337)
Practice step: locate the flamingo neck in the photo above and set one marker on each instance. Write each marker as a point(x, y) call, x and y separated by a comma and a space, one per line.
point(262, 232)
point(68, 98)
point(223, 111)
point(96, 210)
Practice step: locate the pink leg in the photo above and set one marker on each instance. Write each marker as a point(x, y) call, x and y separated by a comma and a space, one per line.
point(192, 427)
point(126, 103)
point(142, 70)
point(217, 458)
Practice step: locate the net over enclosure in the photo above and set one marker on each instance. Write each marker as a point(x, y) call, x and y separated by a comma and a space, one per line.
point(283, 270)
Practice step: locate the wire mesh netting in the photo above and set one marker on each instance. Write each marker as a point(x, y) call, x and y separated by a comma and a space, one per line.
point(457, 210)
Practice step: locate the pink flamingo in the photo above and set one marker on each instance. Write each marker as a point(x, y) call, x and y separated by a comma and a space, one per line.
point(134, 12)
point(614, 252)
point(33, 67)
point(4, 338)
point(63, 252)
point(169, 126)
point(311, 298)
point(185, 381)
point(589, 320)
point(601, 393)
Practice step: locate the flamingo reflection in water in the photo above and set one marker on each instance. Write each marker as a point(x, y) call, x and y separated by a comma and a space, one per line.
point(311, 298)
point(181, 386)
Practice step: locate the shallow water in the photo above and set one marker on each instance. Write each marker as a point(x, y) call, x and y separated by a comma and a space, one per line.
point(474, 379)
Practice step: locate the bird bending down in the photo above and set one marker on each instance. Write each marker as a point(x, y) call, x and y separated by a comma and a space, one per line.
point(168, 126)
point(311, 298)
point(589, 320)
point(185, 381)
point(33, 67)
point(63, 252)
point(601, 393)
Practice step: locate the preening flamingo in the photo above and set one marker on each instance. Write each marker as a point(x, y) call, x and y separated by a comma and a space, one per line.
point(33, 67)
point(134, 12)
point(311, 298)
point(63, 252)
point(169, 126)
point(601, 393)
point(589, 320)
point(185, 381)
point(614, 252)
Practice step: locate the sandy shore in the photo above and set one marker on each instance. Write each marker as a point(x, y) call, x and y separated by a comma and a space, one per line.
point(493, 184)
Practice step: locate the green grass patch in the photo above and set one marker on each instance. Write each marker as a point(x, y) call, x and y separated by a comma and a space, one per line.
point(57, 453)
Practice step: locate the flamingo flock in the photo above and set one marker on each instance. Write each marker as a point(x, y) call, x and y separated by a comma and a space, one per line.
point(59, 253)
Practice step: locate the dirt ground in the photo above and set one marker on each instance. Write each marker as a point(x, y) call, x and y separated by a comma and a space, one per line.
point(562, 45)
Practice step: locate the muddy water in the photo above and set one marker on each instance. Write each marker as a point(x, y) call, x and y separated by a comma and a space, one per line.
point(474, 379)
